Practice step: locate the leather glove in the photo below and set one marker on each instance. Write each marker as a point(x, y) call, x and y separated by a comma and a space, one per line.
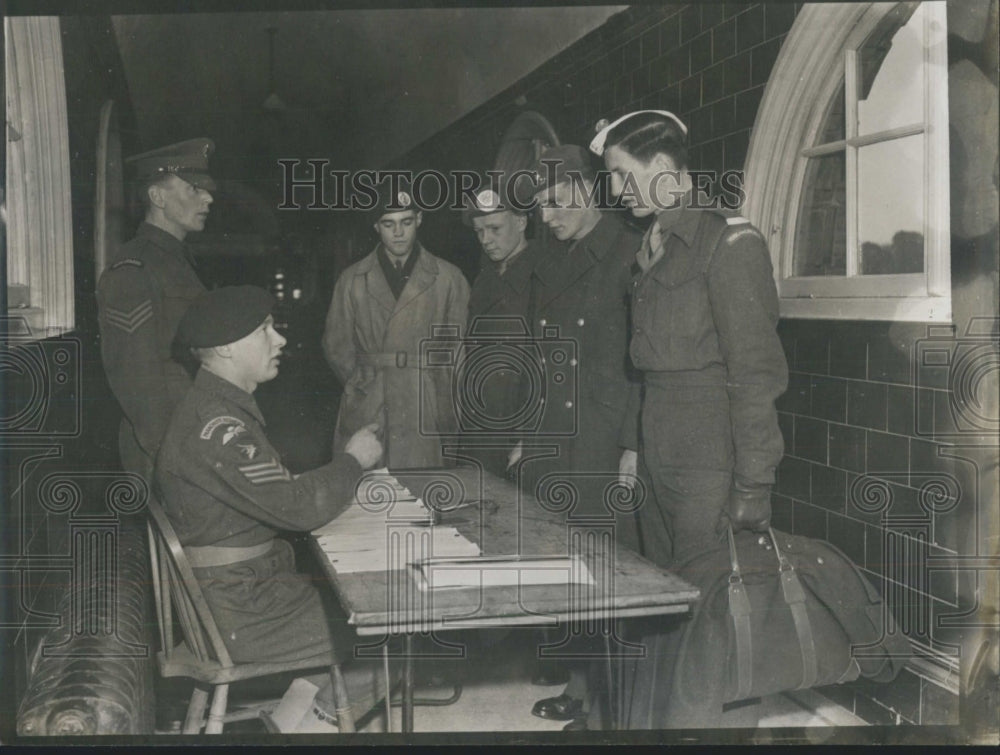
point(748, 508)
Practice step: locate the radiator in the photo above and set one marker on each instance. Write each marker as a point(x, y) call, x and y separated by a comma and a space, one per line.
point(93, 674)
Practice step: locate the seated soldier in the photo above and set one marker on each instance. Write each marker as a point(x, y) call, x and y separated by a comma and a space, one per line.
point(227, 495)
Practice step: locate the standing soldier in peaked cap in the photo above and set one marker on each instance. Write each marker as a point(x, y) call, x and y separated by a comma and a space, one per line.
point(382, 307)
point(143, 295)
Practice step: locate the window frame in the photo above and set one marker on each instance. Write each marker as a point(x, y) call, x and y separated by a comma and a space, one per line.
point(814, 61)
point(39, 229)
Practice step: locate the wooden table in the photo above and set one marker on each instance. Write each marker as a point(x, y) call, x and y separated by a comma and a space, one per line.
point(503, 521)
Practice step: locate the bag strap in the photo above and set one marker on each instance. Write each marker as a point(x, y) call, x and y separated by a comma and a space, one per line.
point(795, 597)
point(739, 609)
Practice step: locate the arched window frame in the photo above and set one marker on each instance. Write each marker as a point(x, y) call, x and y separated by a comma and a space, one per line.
point(806, 76)
point(39, 226)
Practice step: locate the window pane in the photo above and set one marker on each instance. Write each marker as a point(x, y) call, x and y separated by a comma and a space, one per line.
point(891, 206)
point(890, 64)
point(821, 236)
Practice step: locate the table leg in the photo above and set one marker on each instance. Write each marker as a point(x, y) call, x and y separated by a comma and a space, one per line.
point(407, 701)
point(388, 687)
point(612, 688)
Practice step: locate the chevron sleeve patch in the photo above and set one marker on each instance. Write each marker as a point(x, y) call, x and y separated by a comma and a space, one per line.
point(130, 320)
point(265, 471)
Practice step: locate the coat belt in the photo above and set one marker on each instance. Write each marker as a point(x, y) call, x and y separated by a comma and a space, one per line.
point(201, 556)
point(398, 359)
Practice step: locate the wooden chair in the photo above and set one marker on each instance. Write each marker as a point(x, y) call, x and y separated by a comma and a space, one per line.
point(202, 655)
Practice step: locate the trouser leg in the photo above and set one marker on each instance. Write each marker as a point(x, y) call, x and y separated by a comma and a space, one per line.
point(682, 522)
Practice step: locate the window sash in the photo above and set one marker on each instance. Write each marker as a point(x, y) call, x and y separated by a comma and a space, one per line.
point(925, 295)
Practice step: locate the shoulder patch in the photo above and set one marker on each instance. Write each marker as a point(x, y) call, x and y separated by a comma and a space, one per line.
point(233, 427)
point(128, 262)
point(265, 471)
point(737, 220)
point(129, 320)
point(735, 233)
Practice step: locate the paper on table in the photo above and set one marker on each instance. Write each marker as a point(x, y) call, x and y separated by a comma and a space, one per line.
point(387, 528)
point(500, 571)
point(379, 553)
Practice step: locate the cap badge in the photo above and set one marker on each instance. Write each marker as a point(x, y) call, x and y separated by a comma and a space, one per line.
point(487, 199)
point(404, 199)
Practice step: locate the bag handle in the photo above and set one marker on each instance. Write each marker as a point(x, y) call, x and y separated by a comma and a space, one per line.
point(739, 608)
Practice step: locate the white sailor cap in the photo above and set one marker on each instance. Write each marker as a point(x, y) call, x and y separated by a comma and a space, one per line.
point(603, 127)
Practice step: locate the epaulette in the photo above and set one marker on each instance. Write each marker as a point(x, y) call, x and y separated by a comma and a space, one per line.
point(129, 262)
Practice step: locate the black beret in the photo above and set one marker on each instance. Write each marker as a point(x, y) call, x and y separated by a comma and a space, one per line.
point(187, 160)
point(224, 315)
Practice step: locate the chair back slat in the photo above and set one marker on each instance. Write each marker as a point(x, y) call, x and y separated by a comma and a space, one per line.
point(199, 627)
point(189, 619)
point(154, 563)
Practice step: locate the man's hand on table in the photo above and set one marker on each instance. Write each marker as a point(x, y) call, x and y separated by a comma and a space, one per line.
point(365, 446)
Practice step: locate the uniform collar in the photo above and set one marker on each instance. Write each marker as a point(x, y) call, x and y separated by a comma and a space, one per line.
point(382, 254)
point(570, 256)
point(161, 238)
point(222, 388)
point(425, 260)
point(518, 271)
point(681, 221)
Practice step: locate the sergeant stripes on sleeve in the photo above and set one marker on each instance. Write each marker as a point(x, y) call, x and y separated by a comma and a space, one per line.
point(131, 320)
point(266, 471)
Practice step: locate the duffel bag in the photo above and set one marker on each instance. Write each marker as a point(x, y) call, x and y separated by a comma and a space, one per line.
point(778, 612)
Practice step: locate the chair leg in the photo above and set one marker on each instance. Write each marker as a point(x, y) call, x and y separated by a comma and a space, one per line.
point(345, 718)
point(196, 710)
point(218, 709)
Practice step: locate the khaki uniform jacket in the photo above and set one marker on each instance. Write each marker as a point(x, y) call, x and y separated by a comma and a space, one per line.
point(140, 301)
point(372, 342)
point(704, 318)
point(222, 483)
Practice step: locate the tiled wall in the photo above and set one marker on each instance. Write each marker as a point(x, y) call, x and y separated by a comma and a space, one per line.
point(870, 465)
point(876, 461)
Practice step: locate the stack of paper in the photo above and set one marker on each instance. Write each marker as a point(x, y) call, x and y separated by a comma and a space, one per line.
point(386, 528)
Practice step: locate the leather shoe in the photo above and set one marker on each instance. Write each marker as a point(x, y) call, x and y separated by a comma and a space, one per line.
point(548, 674)
point(577, 724)
point(561, 708)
